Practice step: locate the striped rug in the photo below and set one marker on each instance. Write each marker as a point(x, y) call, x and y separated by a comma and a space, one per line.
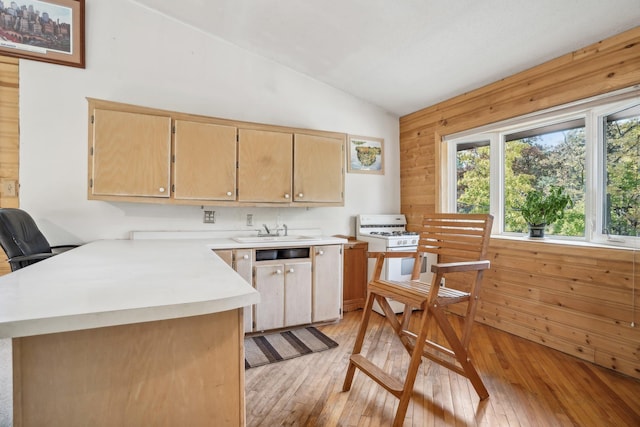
point(264, 349)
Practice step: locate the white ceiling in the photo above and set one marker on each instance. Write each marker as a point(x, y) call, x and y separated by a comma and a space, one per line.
point(404, 55)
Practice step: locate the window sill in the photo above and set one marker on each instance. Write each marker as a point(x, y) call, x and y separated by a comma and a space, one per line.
point(565, 242)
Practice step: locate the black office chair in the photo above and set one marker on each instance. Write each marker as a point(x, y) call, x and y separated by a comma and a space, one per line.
point(22, 241)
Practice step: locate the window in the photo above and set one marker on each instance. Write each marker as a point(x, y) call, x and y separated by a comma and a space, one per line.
point(621, 183)
point(595, 146)
point(539, 158)
point(472, 173)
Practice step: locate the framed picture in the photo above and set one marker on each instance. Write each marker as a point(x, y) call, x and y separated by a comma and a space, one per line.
point(49, 31)
point(366, 155)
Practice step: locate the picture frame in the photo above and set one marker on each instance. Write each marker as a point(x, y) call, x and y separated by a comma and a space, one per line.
point(49, 31)
point(365, 155)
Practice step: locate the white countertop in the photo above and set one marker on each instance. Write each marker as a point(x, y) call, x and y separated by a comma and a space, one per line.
point(229, 243)
point(224, 239)
point(115, 282)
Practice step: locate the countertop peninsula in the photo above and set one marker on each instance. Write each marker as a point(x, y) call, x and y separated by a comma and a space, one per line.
point(127, 332)
point(115, 282)
point(131, 332)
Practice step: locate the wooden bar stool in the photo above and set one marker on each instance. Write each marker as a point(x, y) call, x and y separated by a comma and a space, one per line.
point(462, 240)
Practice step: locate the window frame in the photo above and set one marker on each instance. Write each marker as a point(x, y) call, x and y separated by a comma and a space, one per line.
point(593, 113)
point(598, 206)
point(451, 199)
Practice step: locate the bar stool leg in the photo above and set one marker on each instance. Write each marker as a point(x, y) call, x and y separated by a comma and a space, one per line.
point(357, 346)
point(414, 364)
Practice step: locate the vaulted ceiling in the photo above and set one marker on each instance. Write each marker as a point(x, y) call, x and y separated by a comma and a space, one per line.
point(404, 55)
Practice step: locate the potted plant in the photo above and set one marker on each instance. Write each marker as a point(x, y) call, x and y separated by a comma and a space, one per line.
point(540, 209)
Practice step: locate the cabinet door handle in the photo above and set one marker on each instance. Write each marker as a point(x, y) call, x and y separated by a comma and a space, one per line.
point(278, 271)
point(320, 253)
point(161, 189)
point(229, 193)
point(300, 195)
point(245, 257)
point(291, 270)
point(286, 195)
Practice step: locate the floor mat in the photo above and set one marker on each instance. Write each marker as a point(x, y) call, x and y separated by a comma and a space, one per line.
point(275, 347)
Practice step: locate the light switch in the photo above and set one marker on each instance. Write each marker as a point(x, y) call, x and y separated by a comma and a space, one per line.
point(9, 188)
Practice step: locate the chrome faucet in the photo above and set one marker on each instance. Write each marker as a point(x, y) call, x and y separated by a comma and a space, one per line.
point(276, 231)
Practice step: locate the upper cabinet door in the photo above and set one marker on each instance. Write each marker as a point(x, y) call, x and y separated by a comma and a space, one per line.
point(318, 169)
point(265, 160)
point(205, 161)
point(131, 154)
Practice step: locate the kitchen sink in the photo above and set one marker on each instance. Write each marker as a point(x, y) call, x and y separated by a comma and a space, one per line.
point(259, 239)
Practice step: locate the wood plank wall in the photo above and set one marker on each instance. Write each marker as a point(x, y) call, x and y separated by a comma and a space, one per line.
point(9, 137)
point(575, 298)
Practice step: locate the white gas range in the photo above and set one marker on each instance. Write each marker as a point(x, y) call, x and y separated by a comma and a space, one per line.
point(383, 232)
point(387, 233)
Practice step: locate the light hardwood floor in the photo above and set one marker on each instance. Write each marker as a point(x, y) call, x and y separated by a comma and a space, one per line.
point(529, 385)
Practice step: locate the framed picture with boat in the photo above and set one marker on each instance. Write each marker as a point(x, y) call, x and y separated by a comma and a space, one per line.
point(366, 155)
point(49, 31)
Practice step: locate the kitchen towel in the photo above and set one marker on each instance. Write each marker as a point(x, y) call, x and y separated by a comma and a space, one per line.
point(275, 347)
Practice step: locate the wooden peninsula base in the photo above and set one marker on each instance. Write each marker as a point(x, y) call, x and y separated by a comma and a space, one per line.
point(184, 371)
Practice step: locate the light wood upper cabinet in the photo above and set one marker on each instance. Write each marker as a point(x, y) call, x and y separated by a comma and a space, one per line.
point(318, 169)
point(205, 161)
point(265, 160)
point(141, 154)
point(130, 154)
point(272, 163)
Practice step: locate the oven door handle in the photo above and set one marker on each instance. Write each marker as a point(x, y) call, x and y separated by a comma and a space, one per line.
point(393, 254)
point(381, 256)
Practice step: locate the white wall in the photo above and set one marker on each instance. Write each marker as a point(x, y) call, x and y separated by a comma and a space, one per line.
point(139, 57)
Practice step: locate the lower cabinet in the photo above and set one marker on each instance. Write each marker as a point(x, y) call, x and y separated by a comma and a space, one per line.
point(298, 286)
point(327, 282)
point(354, 275)
point(241, 260)
point(243, 265)
point(285, 294)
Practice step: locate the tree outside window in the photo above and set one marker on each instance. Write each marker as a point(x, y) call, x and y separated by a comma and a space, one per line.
point(472, 177)
point(538, 160)
point(622, 182)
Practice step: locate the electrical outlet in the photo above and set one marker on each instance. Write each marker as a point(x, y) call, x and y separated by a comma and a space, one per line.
point(209, 217)
point(249, 219)
point(443, 283)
